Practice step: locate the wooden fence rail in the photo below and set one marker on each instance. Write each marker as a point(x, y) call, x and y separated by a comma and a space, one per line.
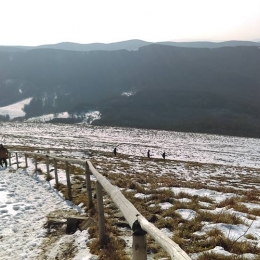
point(138, 223)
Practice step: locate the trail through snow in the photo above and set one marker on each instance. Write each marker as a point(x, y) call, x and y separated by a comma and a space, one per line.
point(25, 202)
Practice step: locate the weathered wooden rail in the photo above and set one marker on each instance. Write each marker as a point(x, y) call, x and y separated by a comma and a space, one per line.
point(138, 223)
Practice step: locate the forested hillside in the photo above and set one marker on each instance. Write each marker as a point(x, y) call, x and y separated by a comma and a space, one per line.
point(157, 86)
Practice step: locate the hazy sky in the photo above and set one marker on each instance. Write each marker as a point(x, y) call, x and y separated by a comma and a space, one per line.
point(35, 22)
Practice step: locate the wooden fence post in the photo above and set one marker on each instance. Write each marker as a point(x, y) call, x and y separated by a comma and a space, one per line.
point(68, 180)
point(88, 184)
point(9, 157)
point(56, 173)
point(35, 162)
point(47, 165)
point(139, 246)
point(26, 161)
point(101, 218)
point(16, 155)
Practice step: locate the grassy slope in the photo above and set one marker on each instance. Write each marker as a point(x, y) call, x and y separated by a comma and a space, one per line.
point(156, 179)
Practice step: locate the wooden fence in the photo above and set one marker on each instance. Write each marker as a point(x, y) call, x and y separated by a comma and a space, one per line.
point(139, 224)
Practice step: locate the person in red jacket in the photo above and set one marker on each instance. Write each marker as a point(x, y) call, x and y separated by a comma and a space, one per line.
point(3, 155)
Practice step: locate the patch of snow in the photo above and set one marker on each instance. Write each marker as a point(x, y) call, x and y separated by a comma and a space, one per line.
point(16, 109)
point(165, 205)
point(48, 117)
point(233, 232)
point(220, 250)
point(142, 196)
point(186, 200)
point(167, 232)
point(251, 205)
point(205, 204)
point(214, 195)
point(187, 214)
point(88, 117)
point(91, 116)
point(128, 94)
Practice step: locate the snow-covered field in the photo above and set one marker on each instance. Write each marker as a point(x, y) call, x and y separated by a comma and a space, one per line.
point(16, 109)
point(229, 162)
point(178, 146)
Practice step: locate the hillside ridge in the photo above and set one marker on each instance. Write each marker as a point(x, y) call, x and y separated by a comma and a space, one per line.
point(157, 86)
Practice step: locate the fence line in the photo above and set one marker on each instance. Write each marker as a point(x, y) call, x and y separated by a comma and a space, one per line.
point(138, 223)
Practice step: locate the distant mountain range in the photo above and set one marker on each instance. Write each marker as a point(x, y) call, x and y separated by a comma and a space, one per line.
point(128, 45)
point(210, 90)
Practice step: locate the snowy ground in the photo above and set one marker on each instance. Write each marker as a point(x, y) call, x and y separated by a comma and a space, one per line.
point(205, 148)
point(25, 201)
point(16, 109)
point(230, 163)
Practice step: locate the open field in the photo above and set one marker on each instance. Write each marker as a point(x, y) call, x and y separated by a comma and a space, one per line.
point(205, 195)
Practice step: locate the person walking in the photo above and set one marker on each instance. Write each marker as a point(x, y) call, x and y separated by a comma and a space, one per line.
point(148, 154)
point(115, 151)
point(3, 155)
point(163, 155)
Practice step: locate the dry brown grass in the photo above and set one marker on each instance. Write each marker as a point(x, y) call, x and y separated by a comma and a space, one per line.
point(222, 217)
point(206, 199)
point(187, 228)
point(250, 236)
point(111, 251)
point(64, 190)
point(252, 195)
point(150, 182)
point(229, 202)
point(81, 198)
point(49, 177)
point(255, 211)
point(214, 256)
point(154, 248)
point(114, 248)
point(236, 247)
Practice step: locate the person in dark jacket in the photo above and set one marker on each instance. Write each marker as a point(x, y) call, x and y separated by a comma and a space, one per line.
point(163, 155)
point(115, 151)
point(3, 155)
point(148, 154)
